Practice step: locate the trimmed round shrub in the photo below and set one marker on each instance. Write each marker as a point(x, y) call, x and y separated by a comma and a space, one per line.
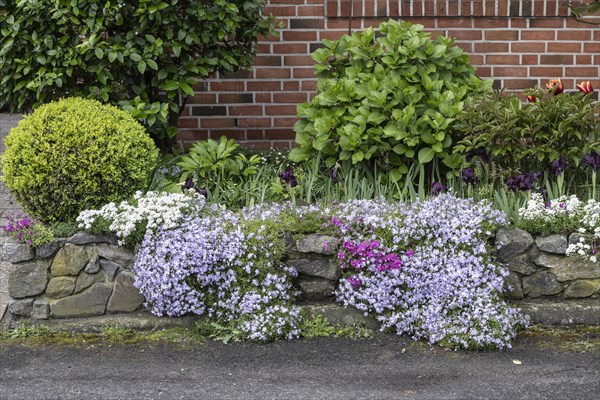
point(76, 154)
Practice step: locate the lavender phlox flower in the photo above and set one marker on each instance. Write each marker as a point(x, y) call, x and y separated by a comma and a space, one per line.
point(558, 166)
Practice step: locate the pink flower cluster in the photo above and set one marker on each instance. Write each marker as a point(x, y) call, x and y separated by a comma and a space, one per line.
point(364, 254)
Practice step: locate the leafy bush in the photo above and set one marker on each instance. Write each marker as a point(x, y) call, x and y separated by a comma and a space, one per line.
point(383, 101)
point(76, 154)
point(528, 137)
point(145, 54)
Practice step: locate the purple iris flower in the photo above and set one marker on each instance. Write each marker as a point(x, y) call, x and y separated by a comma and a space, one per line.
point(592, 160)
point(438, 188)
point(523, 182)
point(558, 166)
point(288, 177)
point(189, 184)
point(335, 177)
point(468, 176)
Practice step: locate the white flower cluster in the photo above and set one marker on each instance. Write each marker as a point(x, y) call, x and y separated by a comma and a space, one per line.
point(564, 206)
point(157, 209)
point(590, 231)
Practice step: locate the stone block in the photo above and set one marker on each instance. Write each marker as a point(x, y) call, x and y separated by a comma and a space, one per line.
point(125, 297)
point(28, 280)
point(110, 268)
point(320, 244)
point(41, 310)
point(85, 304)
point(569, 268)
point(320, 267)
point(60, 286)
point(316, 288)
point(85, 280)
point(582, 288)
point(512, 286)
point(50, 249)
point(88, 238)
point(69, 260)
point(541, 284)
point(511, 243)
point(555, 244)
point(21, 308)
point(118, 254)
point(21, 253)
point(93, 265)
point(522, 265)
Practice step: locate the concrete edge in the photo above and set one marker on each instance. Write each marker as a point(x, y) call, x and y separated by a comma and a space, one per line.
point(572, 312)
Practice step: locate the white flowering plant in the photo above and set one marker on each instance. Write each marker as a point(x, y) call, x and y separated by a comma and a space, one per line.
point(132, 219)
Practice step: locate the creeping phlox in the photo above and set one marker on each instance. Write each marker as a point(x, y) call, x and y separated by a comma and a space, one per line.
point(222, 266)
point(154, 209)
point(424, 270)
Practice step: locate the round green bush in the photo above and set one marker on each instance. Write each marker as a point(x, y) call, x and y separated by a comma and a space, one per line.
point(76, 154)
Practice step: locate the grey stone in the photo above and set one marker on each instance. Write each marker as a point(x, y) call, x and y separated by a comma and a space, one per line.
point(512, 286)
point(85, 280)
point(575, 237)
point(511, 243)
point(28, 280)
point(316, 288)
point(110, 268)
point(87, 238)
point(569, 268)
point(85, 304)
point(540, 284)
point(125, 297)
point(21, 308)
point(321, 267)
point(118, 254)
point(580, 312)
point(93, 265)
point(336, 314)
point(10, 246)
point(316, 243)
point(582, 288)
point(22, 252)
point(69, 260)
point(49, 249)
point(41, 310)
point(555, 244)
point(522, 265)
point(60, 286)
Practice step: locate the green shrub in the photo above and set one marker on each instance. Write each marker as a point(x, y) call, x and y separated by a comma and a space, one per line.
point(74, 155)
point(528, 137)
point(384, 101)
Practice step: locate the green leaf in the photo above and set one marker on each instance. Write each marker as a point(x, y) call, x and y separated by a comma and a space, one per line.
point(425, 155)
point(99, 52)
point(112, 56)
point(135, 57)
point(152, 64)
point(141, 67)
point(186, 88)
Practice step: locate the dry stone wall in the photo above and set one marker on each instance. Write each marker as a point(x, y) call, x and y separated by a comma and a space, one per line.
point(88, 275)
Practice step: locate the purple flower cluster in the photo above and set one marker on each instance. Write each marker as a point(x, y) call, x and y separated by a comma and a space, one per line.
point(364, 254)
point(448, 289)
point(223, 267)
point(523, 182)
point(22, 228)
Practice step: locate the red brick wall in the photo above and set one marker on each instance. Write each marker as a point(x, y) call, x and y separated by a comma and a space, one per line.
point(517, 43)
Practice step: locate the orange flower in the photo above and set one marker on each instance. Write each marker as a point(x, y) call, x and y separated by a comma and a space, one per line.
point(555, 85)
point(585, 87)
point(531, 98)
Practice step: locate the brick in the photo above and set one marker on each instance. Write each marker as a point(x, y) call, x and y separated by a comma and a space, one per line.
point(280, 110)
point(493, 47)
point(465, 34)
point(263, 97)
point(546, 23)
point(520, 83)
point(299, 36)
point(263, 60)
point(588, 72)
point(203, 98)
point(290, 48)
point(546, 71)
point(194, 134)
point(528, 47)
point(282, 133)
point(502, 35)
point(491, 23)
point(556, 59)
point(455, 23)
point(564, 47)
point(245, 110)
point(466, 46)
point(298, 60)
point(217, 123)
point(583, 59)
point(284, 122)
point(228, 98)
point(476, 59)
point(300, 73)
point(583, 35)
point(484, 72)
point(307, 23)
point(502, 59)
point(209, 110)
point(253, 122)
point(291, 86)
point(262, 86)
point(241, 74)
point(538, 35)
point(187, 123)
point(593, 48)
point(519, 23)
point(272, 73)
point(290, 97)
point(254, 134)
point(529, 59)
point(510, 71)
point(226, 86)
point(317, 11)
point(343, 24)
point(309, 85)
point(332, 34)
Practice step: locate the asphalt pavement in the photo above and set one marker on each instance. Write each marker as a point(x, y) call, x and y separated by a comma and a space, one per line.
point(384, 367)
